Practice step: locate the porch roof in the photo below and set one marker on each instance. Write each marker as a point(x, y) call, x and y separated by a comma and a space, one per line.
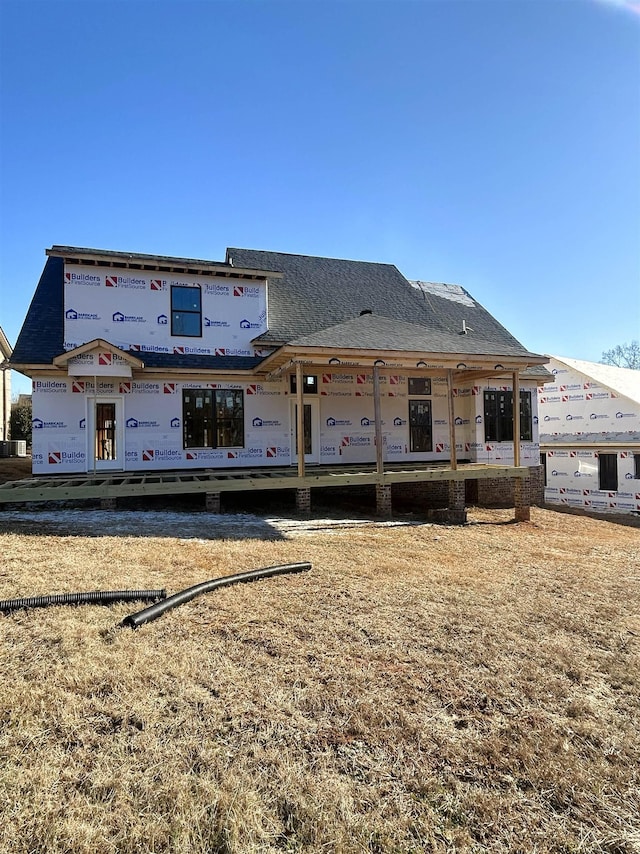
point(374, 332)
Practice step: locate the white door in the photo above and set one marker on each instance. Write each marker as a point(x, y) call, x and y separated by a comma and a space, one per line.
point(106, 434)
point(311, 432)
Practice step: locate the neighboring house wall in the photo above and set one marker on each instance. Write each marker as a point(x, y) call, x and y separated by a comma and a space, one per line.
point(5, 387)
point(5, 403)
point(590, 437)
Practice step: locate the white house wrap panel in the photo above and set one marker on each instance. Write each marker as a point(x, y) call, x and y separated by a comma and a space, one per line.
point(132, 309)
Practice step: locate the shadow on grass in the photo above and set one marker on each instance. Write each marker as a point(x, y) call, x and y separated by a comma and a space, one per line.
point(182, 525)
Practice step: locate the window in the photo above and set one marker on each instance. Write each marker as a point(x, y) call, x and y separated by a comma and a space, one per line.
point(213, 419)
point(636, 466)
point(498, 416)
point(309, 384)
point(420, 432)
point(186, 311)
point(419, 385)
point(608, 472)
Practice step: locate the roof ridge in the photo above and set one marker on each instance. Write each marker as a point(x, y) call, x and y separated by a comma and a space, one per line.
point(314, 257)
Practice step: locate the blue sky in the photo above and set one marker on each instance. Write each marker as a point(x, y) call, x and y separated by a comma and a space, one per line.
point(489, 143)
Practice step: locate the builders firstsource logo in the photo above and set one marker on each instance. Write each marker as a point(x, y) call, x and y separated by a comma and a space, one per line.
point(130, 282)
point(154, 455)
point(57, 457)
point(49, 387)
point(246, 291)
point(85, 279)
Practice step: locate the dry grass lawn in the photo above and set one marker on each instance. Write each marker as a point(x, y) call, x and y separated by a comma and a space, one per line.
point(422, 689)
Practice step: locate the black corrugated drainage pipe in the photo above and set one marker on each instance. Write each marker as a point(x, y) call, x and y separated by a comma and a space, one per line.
point(97, 597)
point(155, 611)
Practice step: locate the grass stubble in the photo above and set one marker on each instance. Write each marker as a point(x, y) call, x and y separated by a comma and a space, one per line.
point(422, 689)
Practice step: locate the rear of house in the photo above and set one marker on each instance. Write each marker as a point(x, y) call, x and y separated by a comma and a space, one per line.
point(144, 363)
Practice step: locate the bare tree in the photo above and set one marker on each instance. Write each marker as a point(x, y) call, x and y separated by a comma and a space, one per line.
point(623, 356)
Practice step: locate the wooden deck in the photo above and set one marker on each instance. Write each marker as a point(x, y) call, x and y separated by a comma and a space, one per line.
point(129, 484)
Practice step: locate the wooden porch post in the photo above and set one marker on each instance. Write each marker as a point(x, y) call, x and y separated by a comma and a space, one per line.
point(377, 414)
point(516, 418)
point(452, 426)
point(383, 490)
point(300, 419)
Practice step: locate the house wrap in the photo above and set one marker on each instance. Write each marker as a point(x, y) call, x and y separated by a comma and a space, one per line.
point(145, 362)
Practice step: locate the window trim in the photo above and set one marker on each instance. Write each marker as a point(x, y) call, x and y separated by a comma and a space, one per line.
point(293, 385)
point(502, 422)
point(608, 471)
point(212, 395)
point(422, 402)
point(413, 381)
point(175, 311)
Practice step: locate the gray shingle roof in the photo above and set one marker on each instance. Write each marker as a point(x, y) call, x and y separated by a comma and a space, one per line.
point(316, 294)
point(317, 301)
point(42, 333)
point(372, 332)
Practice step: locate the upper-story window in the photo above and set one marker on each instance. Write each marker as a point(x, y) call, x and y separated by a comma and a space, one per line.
point(186, 311)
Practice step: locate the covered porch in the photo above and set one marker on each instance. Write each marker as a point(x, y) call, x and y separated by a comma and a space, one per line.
point(307, 360)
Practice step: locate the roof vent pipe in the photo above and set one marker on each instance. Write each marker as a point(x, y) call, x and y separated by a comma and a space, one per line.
point(465, 329)
point(365, 311)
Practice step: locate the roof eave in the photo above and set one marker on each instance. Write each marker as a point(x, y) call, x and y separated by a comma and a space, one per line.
point(63, 358)
point(163, 263)
point(406, 359)
point(5, 348)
